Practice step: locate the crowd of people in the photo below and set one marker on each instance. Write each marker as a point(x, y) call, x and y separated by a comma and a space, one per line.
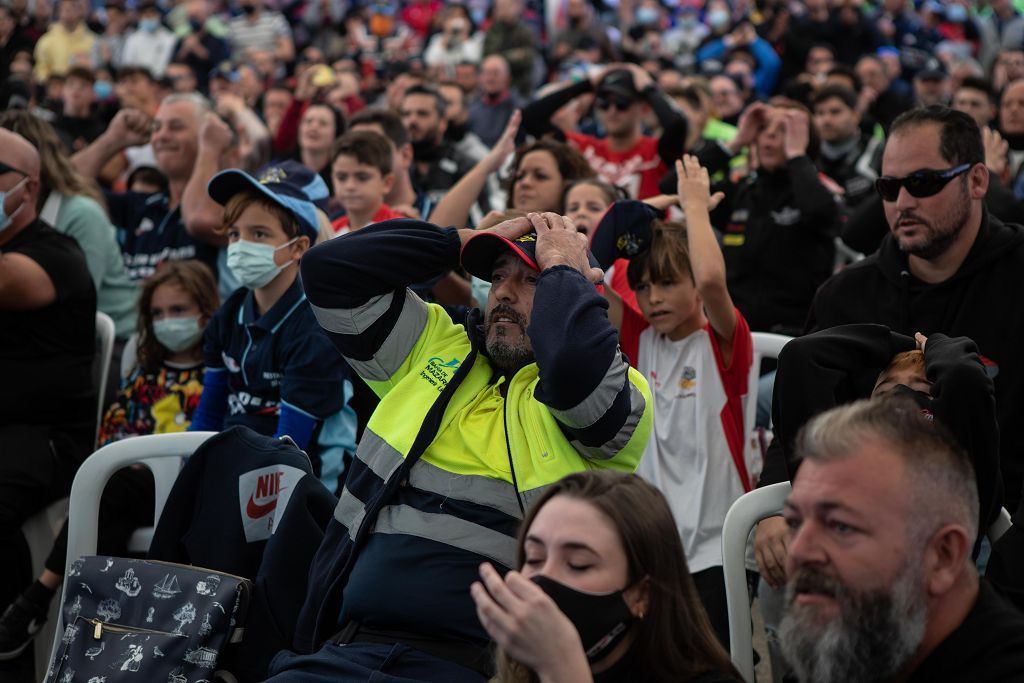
point(495, 266)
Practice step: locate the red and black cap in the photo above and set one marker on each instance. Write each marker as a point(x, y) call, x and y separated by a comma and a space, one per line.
point(481, 252)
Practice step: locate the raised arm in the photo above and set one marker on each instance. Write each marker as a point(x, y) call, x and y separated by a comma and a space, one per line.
point(202, 216)
point(454, 207)
point(706, 262)
point(128, 128)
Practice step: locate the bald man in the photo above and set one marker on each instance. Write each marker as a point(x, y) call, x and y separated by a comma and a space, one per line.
point(47, 342)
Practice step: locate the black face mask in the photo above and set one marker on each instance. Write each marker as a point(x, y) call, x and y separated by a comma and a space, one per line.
point(920, 399)
point(602, 619)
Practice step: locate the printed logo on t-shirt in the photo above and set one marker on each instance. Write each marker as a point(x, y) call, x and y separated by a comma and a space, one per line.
point(262, 495)
point(145, 225)
point(689, 379)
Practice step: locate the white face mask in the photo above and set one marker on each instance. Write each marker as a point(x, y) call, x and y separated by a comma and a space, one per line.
point(253, 264)
point(178, 334)
point(5, 218)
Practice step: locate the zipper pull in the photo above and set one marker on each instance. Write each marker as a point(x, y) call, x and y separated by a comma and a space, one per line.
point(97, 632)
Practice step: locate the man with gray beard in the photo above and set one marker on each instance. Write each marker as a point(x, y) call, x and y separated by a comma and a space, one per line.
point(949, 266)
point(881, 585)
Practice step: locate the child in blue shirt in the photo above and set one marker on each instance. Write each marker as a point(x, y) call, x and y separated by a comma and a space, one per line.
point(269, 364)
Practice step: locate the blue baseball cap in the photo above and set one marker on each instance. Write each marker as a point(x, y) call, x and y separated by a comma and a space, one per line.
point(288, 184)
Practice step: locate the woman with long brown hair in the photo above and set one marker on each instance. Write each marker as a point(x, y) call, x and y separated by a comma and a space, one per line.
point(603, 592)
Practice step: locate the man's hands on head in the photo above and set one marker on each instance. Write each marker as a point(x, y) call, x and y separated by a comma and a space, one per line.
point(559, 243)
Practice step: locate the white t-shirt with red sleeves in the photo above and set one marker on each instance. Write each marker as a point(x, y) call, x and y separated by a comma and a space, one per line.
point(695, 454)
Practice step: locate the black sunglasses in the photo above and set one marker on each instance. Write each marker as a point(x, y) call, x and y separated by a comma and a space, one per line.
point(4, 168)
point(620, 103)
point(919, 184)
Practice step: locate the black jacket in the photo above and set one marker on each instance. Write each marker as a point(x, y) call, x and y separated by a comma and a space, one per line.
point(778, 240)
point(838, 365)
point(981, 301)
point(988, 647)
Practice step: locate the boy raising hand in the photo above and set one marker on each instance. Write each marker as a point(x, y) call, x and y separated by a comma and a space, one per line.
point(695, 349)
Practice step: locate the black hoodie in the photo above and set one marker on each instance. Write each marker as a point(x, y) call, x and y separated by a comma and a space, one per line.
point(841, 364)
point(983, 301)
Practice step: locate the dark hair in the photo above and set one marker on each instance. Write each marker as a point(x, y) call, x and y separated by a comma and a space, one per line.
point(666, 258)
point(135, 70)
point(571, 164)
point(192, 276)
point(610, 192)
point(147, 174)
point(389, 121)
point(674, 641)
point(838, 92)
point(688, 93)
point(82, 73)
point(366, 147)
point(439, 104)
point(846, 71)
point(959, 137)
point(339, 118)
point(979, 84)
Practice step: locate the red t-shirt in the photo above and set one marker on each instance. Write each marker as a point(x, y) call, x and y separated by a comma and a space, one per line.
point(384, 213)
point(638, 170)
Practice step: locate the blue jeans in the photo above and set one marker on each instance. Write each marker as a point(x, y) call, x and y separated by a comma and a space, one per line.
point(365, 662)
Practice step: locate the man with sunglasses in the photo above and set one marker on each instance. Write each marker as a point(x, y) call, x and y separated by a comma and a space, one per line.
point(47, 343)
point(626, 157)
point(947, 266)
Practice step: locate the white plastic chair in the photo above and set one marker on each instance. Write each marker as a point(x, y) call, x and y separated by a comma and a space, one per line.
point(766, 345)
point(748, 510)
point(101, 364)
point(163, 454)
point(745, 513)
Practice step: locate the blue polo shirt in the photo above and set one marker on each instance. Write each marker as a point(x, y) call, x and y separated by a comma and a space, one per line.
point(150, 232)
point(283, 359)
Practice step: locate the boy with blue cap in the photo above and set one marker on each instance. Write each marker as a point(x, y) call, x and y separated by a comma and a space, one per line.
point(269, 364)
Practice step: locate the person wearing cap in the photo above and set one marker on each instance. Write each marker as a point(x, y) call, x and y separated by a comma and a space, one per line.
point(931, 84)
point(475, 420)
point(152, 44)
point(625, 158)
point(269, 366)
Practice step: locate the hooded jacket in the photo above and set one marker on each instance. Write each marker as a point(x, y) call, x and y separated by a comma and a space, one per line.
point(981, 301)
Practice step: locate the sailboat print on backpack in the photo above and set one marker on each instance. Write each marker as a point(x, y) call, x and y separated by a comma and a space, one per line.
point(140, 620)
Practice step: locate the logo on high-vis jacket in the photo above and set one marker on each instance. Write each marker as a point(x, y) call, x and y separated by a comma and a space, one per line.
point(262, 496)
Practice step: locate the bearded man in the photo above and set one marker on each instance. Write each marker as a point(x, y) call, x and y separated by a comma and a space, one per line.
point(474, 422)
point(881, 584)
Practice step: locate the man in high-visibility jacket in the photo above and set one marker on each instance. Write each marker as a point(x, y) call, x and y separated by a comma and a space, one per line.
point(474, 421)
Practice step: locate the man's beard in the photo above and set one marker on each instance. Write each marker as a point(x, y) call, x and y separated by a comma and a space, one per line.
point(426, 149)
point(873, 637)
point(507, 355)
point(940, 235)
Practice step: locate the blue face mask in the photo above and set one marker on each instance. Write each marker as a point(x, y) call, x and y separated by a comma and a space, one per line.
point(149, 25)
point(647, 16)
point(103, 89)
point(178, 334)
point(718, 18)
point(7, 218)
point(253, 264)
point(956, 13)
